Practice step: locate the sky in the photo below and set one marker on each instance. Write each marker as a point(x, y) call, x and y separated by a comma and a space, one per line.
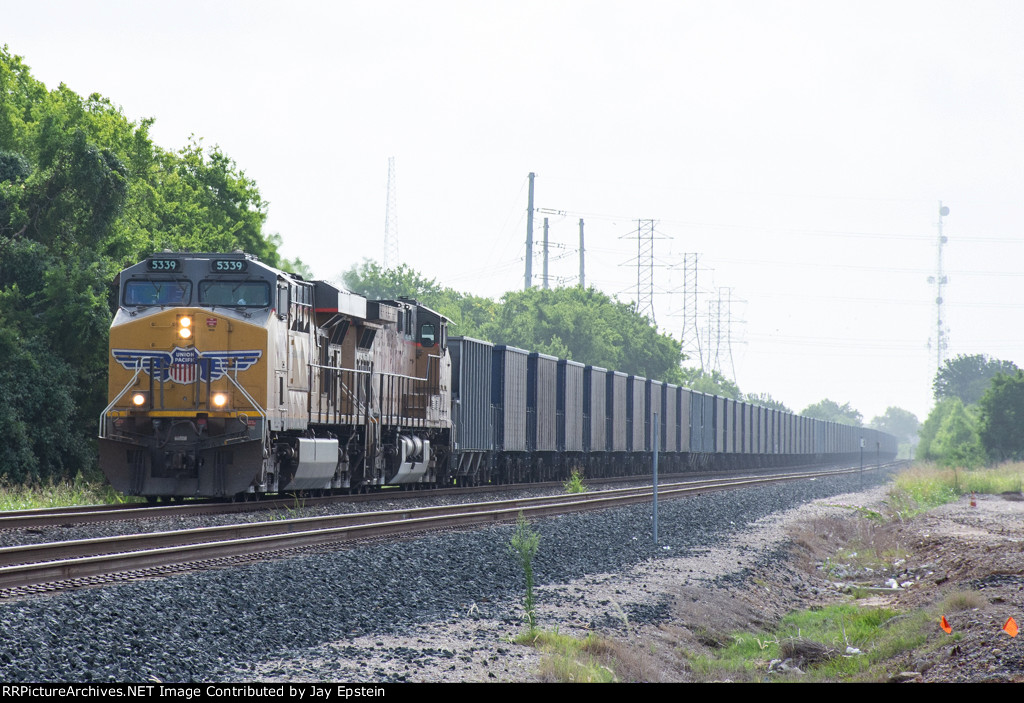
point(800, 149)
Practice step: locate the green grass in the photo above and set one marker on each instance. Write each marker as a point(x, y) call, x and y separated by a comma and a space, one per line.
point(927, 486)
point(882, 638)
point(65, 493)
point(569, 659)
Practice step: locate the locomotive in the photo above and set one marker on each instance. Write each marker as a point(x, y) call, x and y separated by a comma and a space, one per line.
point(228, 378)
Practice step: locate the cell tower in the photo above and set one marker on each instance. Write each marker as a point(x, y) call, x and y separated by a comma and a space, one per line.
point(940, 280)
point(391, 259)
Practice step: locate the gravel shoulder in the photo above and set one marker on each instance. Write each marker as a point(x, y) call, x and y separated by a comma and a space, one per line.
point(691, 603)
point(442, 608)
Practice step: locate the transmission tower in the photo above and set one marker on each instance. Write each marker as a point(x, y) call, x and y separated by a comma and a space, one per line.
point(940, 280)
point(728, 326)
point(391, 259)
point(644, 267)
point(690, 333)
point(715, 333)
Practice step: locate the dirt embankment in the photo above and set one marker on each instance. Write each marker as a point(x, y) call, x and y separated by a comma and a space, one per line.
point(962, 561)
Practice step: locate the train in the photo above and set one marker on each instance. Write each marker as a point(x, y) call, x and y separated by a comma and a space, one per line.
point(230, 379)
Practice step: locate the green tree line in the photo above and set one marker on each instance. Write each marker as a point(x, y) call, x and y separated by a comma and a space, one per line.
point(978, 413)
point(582, 324)
point(84, 191)
point(588, 326)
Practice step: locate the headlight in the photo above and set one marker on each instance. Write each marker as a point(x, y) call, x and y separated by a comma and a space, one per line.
point(220, 399)
point(185, 327)
point(138, 399)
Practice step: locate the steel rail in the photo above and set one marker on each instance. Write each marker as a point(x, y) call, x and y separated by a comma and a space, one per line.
point(87, 514)
point(34, 564)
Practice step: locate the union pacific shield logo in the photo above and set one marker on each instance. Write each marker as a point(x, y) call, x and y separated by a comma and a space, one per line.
point(185, 365)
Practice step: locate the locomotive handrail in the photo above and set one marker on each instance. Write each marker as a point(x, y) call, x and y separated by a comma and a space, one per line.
point(248, 397)
point(103, 415)
point(380, 373)
point(360, 405)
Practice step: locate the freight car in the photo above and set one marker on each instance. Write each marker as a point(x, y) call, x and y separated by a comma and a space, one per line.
point(231, 378)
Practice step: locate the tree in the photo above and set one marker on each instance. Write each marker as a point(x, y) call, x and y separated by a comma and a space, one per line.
point(714, 382)
point(471, 316)
point(584, 325)
point(83, 192)
point(765, 400)
point(1002, 416)
point(957, 443)
point(967, 377)
point(898, 422)
point(926, 448)
point(374, 282)
point(833, 412)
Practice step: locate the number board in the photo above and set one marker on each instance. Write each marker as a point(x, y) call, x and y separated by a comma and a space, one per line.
point(229, 266)
point(163, 264)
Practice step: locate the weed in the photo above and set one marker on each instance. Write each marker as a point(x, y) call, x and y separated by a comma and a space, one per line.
point(863, 512)
point(59, 493)
point(960, 601)
point(575, 483)
point(571, 659)
point(817, 641)
point(621, 614)
point(524, 545)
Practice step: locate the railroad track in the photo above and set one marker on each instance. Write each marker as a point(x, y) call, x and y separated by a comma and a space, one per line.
point(90, 514)
point(69, 564)
point(64, 516)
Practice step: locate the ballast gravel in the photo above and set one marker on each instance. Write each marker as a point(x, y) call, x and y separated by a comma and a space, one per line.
point(328, 615)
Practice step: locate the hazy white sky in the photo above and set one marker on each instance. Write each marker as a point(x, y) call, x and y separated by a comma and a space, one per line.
point(801, 148)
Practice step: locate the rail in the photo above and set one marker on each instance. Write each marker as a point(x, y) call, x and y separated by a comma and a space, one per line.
point(52, 562)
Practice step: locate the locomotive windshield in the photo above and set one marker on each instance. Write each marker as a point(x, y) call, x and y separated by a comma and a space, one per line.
point(145, 292)
point(249, 294)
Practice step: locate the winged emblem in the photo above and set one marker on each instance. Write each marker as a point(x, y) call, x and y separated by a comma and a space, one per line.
point(183, 365)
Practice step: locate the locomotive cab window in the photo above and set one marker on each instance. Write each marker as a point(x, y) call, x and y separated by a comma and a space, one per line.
point(427, 335)
point(149, 292)
point(247, 294)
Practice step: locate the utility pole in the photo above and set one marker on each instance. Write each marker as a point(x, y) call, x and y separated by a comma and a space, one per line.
point(545, 253)
point(583, 280)
point(529, 236)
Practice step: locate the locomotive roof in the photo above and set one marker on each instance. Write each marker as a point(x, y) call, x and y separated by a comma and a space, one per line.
point(414, 303)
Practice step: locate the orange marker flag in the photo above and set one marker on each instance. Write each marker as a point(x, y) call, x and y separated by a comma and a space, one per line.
point(945, 625)
point(1010, 627)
